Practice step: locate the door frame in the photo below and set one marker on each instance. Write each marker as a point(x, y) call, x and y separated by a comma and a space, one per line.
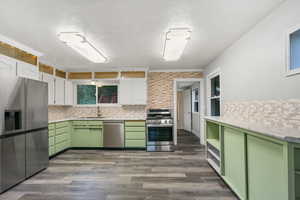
point(191, 111)
point(202, 105)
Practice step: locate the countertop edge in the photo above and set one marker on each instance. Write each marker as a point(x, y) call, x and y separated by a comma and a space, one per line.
point(93, 119)
point(263, 130)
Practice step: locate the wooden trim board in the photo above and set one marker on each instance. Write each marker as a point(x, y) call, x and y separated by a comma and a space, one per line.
point(133, 74)
point(46, 68)
point(80, 75)
point(60, 73)
point(106, 75)
point(18, 54)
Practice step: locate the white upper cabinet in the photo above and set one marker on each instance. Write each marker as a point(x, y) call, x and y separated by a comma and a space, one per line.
point(133, 92)
point(50, 80)
point(59, 91)
point(69, 93)
point(8, 67)
point(27, 70)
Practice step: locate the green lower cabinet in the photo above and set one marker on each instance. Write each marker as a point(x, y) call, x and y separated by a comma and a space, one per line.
point(235, 161)
point(267, 170)
point(51, 150)
point(135, 143)
point(87, 137)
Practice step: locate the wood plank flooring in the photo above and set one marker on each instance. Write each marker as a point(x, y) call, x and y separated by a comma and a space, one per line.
point(127, 175)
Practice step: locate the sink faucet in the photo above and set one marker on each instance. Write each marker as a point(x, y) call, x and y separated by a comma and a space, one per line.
point(98, 111)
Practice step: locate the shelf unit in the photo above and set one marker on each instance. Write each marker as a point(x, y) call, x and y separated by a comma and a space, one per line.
point(213, 145)
point(297, 172)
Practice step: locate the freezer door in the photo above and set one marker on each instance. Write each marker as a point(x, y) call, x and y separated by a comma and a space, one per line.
point(36, 151)
point(12, 161)
point(36, 104)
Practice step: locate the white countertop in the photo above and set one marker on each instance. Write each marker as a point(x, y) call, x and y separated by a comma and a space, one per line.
point(93, 119)
point(283, 133)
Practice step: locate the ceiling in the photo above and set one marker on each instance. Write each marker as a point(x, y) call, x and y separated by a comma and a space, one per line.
point(130, 32)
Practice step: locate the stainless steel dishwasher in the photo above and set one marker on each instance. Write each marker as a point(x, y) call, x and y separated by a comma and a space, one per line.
point(113, 134)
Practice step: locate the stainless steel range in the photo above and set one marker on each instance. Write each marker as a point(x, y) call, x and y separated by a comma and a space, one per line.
point(160, 130)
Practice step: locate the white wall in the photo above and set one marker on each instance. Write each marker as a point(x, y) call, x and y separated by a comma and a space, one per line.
point(253, 68)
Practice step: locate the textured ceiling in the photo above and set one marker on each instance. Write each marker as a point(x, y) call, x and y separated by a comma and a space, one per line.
point(130, 32)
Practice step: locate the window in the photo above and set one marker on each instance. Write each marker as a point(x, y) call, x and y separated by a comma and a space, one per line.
point(108, 94)
point(86, 94)
point(94, 95)
point(214, 94)
point(294, 53)
point(195, 100)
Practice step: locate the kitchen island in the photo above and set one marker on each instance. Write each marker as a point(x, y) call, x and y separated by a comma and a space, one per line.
point(256, 161)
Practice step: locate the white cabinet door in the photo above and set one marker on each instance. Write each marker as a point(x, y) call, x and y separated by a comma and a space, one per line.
point(59, 91)
point(8, 67)
point(139, 97)
point(125, 92)
point(27, 70)
point(50, 80)
point(69, 93)
point(133, 92)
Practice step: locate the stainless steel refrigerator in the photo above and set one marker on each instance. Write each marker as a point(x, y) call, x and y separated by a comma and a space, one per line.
point(23, 128)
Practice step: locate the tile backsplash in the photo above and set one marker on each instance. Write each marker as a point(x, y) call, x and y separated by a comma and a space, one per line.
point(271, 113)
point(130, 112)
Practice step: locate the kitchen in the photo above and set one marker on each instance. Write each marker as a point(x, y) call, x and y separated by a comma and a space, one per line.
point(108, 101)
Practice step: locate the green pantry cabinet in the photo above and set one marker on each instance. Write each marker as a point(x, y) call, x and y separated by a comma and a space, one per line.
point(256, 167)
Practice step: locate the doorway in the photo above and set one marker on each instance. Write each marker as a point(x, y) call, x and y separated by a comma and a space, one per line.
point(189, 107)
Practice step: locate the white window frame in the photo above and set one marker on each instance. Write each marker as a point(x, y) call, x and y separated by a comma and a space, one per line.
point(210, 76)
point(289, 71)
point(97, 104)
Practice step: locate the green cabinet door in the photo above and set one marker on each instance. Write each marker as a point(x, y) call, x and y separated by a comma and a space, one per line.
point(87, 138)
point(235, 161)
point(267, 171)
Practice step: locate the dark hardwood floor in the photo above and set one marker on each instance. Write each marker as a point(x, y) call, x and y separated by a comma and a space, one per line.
point(127, 175)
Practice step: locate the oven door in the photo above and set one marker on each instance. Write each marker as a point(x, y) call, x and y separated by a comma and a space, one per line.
point(159, 135)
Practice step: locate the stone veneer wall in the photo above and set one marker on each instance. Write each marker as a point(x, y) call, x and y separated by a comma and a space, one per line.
point(160, 95)
point(160, 87)
point(271, 113)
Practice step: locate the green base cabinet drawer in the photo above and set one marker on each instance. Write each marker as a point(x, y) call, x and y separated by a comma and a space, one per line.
point(51, 133)
point(61, 146)
point(51, 126)
point(135, 129)
point(135, 123)
point(51, 141)
point(135, 143)
point(135, 135)
point(60, 131)
point(51, 150)
point(61, 124)
point(61, 138)
point(267, 172)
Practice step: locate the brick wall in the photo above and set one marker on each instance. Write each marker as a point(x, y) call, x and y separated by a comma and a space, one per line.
point(160, 87)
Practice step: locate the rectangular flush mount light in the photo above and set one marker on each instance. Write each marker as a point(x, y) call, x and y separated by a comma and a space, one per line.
point(176, 40)
point(80, 44)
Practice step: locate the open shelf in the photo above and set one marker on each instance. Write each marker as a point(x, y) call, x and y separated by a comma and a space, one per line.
point(214, 142)
point(213, 135)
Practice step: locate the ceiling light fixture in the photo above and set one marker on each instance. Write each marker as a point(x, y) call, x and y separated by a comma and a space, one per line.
point(80, 44)
point(176, 40)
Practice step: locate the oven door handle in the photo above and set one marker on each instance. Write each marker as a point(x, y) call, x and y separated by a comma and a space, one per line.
point(158, 125)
